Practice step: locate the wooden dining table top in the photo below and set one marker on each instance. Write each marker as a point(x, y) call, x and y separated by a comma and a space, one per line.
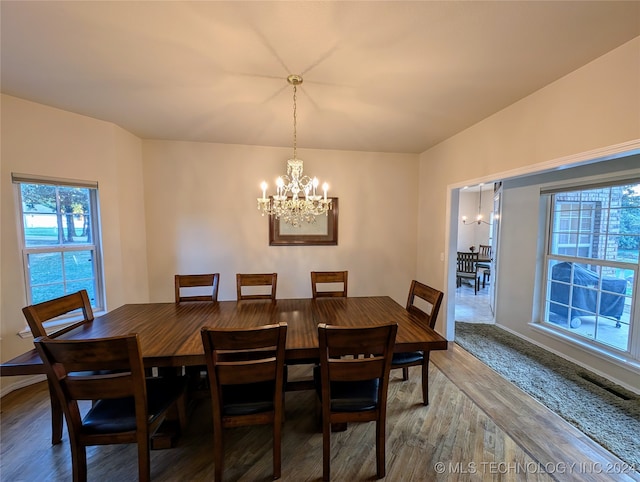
point(169, 333)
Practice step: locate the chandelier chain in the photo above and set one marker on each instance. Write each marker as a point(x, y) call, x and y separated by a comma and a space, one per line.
point(295, 121)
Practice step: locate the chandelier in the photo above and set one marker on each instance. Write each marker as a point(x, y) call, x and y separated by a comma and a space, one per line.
point(296, 200)
point(478, 219)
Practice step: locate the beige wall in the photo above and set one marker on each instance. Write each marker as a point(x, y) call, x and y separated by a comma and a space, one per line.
point(588, 110)
point(202, 217)
point(41, 140)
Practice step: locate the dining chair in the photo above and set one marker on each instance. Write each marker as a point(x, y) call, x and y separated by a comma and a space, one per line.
point(253, 280)
point(484, 262)
point(194, 283)
point(484, 251)
point(37, 315)
point(486, 276)
point(127, 407)
point(467, 268)
point(334, 279)
point(432, 298)
point(329, 280)
point(352, 382)
point(246, 376)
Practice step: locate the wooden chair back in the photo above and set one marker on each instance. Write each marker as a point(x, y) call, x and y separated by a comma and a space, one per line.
point(329, 277)
point(484, 251)
point(37, 315)
point(350, 359)
point(189, 281)
point(433, 298)
point(40, 313)
point(251, 280)
point(246, 376)
point(110, 372)
point(468, 269)
point(467, 263)
point(430, 295)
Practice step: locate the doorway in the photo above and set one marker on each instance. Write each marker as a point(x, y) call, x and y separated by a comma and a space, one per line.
point(478, 232)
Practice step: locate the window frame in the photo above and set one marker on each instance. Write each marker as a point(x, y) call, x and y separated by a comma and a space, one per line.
point(94, 245)
point(632, 352)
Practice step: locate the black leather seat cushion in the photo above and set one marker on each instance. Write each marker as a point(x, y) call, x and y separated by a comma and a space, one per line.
point(407, 357)
point(118, 414)
point(249, 398)
point(356, 396)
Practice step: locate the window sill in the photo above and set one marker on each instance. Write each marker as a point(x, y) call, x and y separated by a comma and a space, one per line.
point(618, 359)
point(56, 325)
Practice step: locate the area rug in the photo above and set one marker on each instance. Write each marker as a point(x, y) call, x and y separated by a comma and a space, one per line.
point(606, 412)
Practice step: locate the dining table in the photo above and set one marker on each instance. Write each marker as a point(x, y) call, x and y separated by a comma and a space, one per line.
point(169, 333)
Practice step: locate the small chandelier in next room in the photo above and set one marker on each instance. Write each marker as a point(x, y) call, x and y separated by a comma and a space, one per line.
point(479, 216)
point(297, 199)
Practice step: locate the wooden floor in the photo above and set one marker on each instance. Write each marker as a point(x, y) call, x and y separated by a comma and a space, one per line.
point(477, 427)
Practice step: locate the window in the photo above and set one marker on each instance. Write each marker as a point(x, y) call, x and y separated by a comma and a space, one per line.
point(60, 238)
point(592, 265)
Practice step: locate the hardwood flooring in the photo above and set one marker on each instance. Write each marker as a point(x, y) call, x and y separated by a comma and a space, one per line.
point(477, 427)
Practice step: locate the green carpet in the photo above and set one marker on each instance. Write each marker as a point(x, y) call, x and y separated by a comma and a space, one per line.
point(606, 412)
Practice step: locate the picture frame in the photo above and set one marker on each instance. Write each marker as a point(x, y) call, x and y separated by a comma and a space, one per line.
point(324, 232)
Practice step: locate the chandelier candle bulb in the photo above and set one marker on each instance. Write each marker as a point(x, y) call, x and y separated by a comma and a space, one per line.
point(264, 190)
point(279, 186)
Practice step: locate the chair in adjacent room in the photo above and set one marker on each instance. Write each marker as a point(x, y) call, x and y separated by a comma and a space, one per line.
point(484, 262)
point(431, 298)
point(484, 252)
point(37, 315)
point(253, 280)
point(352, 382)
point(197, 287)
point(246, 376)
point(335, 279)
point(194, 284)
point(468, 269)
point(127, 408)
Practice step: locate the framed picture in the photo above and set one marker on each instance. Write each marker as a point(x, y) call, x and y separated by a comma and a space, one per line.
point(324, 232)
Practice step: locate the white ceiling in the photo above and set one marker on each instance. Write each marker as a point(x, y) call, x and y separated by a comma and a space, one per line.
point(378, 76)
